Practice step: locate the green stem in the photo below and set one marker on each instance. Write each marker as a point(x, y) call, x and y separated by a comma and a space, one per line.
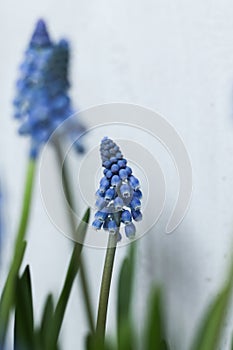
point(26, 204)
point(64, 297)
point(105, 286)
point(8, 294)
point(86, 295)
point(73, 268)
point(69, 198)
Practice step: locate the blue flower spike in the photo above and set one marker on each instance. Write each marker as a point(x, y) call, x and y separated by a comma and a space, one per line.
point(119, 195)
point(42, 102)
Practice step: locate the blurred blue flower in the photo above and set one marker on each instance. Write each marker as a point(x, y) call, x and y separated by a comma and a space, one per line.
point(118, 197)
point(42, 102)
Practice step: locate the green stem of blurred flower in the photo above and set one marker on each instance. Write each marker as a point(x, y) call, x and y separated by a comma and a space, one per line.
point(105, 286)
point(8, 294)
point(69, 198)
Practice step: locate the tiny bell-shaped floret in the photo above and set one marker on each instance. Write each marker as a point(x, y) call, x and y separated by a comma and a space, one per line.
point(118, 203)
point(126, 217)
point(134, 182)
point(109, 174)
point(110, 194)
point(106, 222)
point(107, 164)
point(115, 181)
point(101, 216)
point(137, 194)
point(122, 163)
point(123, 174)
point(104, 185)
point(97, 224)
point(100, 203)
point(112, 227)
point(99, 193)
point(115, 168)
point(130, 230)
point(137, 215)
point(135, 204)
point(125, 191)
point(128, 170)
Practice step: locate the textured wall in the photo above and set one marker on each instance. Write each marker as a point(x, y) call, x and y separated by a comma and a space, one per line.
point(175, 57)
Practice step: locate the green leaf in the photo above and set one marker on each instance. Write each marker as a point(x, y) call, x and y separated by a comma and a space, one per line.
point(124, 300)
point(164, 345)
point(7, 300)
point(8, 295)
point(155, 324)
point(209, 335)
point(46, 321)
point(95, 342)
point(24, 324)
point(69, 280)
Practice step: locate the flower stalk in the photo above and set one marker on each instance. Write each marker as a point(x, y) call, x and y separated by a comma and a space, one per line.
point(105, 286)
point(8, 294)
point(69, 198)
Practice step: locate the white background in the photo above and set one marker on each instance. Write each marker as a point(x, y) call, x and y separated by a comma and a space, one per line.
point(175, 57)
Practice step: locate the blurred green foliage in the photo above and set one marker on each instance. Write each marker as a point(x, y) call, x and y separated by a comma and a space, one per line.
point(154, 335)
point(27, 336)
point(45, 335)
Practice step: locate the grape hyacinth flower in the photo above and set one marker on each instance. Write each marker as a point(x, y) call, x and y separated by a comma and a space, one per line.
point(42, 102)
point(119, 195)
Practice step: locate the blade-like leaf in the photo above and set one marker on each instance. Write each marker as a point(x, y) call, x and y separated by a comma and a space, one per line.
point(154, 338)
point(164, 345)
point(70, 277)
point(46, 321)
point(95, 342)
point(24, 324)
point(209, 335)
point(8, 296)
point(7, 300)
point(125, 290)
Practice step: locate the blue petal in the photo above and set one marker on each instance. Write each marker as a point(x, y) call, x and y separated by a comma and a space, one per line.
point(134, 182)
point(135, 204)
point(115, 181)
point(101, 215)
point(122, 163)
point(125, 191)
point(126, 217)
point(123, 174)
point(118, 203)
point(97, 224)
point(110, 194)
point(137, 215)
point(137, 194)
point(112, 227)
point(130, 230)
point(100, 203)
point(115, 168)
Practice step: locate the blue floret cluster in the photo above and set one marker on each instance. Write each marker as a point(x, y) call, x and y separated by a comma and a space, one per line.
point(42, 102)
point(119, 195)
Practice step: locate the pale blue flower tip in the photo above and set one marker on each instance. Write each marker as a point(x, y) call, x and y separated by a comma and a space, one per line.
point(97, 224)
point(130, 230)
